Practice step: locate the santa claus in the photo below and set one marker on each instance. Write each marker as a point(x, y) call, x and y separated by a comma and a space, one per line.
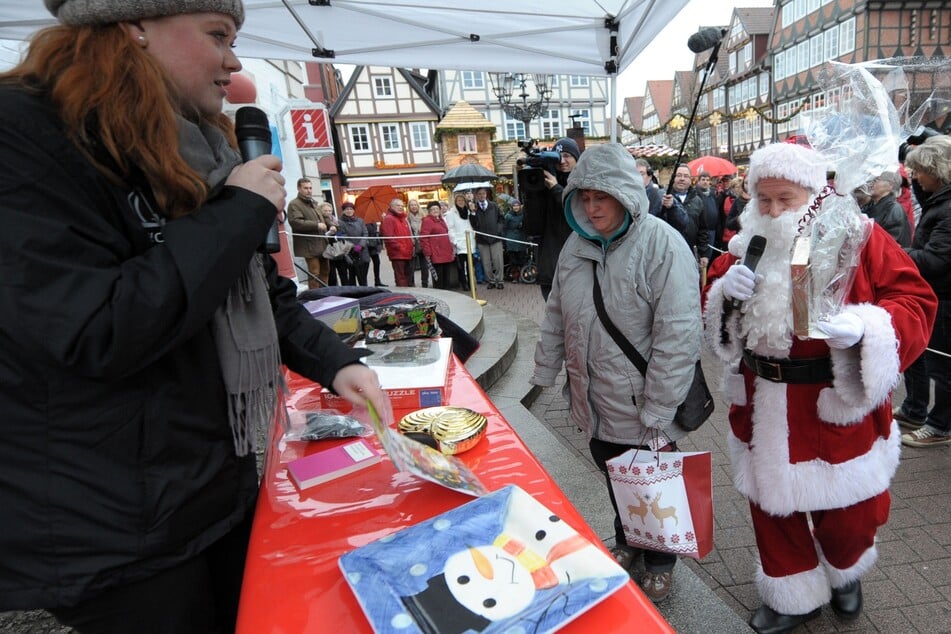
point(812, 441)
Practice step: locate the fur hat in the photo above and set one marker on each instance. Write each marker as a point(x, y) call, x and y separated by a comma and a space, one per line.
point(347, 205)
point(796, 163)
point(86, 12)
point(567, 145)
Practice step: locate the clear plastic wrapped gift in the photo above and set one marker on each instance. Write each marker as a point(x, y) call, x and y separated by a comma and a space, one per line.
point(825, 257)
point(858, 133)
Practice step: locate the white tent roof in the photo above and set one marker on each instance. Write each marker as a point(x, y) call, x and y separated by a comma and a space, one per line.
point(555, 36)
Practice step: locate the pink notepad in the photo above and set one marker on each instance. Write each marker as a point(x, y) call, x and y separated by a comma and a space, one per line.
point(332, 463)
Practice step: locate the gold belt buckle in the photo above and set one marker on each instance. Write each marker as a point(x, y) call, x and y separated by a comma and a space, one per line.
point(770, 371)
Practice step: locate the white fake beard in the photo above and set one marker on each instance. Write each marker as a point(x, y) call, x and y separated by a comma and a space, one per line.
point(767, 321)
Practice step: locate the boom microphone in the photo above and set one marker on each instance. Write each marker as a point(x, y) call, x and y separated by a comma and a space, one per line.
point(705, 39)
point(254, 140)
point(753, 253)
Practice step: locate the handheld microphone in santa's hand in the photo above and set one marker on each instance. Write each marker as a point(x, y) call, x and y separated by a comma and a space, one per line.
point(705, 39)
point(254, 140)
point(753, 253)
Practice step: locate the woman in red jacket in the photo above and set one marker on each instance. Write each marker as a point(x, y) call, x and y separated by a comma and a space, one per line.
point(437, 247)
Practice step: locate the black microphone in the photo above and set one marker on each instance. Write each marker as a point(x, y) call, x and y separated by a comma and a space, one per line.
point(705, 39)
point(254, 140)
point(753, 253)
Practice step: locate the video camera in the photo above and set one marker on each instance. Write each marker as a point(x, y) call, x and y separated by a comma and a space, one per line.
point(531, 177)
point(919, 136)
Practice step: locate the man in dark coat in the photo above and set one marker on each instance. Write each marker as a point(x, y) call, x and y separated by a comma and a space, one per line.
point(486, 219)
point(690, 201)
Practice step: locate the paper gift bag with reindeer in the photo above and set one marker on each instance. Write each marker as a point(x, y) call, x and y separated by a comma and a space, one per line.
point(665, 500)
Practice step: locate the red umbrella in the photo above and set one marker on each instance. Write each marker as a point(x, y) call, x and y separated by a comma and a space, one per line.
point(373, 203)
point(712, 165)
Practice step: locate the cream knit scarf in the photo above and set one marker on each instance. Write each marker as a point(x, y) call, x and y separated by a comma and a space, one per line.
point(243, 326)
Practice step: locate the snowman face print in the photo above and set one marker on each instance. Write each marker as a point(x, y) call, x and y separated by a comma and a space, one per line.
point(489, 582)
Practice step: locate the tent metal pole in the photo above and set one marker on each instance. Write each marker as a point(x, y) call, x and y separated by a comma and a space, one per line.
point(612, 121)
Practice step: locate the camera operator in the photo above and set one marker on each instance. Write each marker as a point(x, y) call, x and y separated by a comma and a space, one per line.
point(545, 215)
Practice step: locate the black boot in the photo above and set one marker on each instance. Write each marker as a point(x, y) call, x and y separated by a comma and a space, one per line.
point(767, 621)
point(847, 600)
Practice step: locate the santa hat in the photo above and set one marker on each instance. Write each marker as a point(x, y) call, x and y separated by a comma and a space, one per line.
point(795, 163)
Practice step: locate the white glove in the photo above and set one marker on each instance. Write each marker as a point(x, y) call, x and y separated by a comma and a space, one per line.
point(844, 330)
point(738, 282)
point(653, 422)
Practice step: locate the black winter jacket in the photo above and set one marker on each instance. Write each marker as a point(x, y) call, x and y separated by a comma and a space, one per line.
point(545, 217)
point(931, 246)
point(116, 457)
point(892, 218)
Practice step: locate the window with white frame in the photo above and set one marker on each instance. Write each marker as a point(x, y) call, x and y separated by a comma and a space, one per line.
point(467, 144)
point(383, 86)
point(813, 5)
point(719, 94)
point(390, 136)
point(419, 131)
point(788, 14)
point(779, 65)
point(732, 62)
point(473, 79)
point(800, 9)
point(359, 137)
point(582, 117)
point(802, 51)
point(551, 124)
point(847, 36)
point(578, 81)
point(764, 86)
point(747, 55)
point(815, 50)
point(831, 38)
point(514, 129)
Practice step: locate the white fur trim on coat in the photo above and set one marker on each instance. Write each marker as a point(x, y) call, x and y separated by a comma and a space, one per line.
point(865, 374)
point(839, 577)
point(733, 387)
point(762, 471)
point(731, 350)
point(796, 594)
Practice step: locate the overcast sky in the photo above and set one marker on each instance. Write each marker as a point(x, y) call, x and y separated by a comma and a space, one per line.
point(668, 52)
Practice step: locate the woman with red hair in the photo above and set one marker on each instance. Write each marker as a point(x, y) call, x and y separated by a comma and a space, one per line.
point(141, 334)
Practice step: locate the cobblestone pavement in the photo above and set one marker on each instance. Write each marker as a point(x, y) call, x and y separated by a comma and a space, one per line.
point(909, 588)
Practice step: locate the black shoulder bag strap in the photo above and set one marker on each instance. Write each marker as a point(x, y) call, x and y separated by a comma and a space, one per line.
point(619, 339)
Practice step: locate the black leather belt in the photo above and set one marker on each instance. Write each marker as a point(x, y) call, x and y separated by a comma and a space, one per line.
point(804, 370)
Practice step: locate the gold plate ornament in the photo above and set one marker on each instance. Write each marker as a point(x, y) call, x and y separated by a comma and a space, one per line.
point(454, 429)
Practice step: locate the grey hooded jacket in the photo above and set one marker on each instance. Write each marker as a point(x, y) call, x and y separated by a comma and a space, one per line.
point(651, 291)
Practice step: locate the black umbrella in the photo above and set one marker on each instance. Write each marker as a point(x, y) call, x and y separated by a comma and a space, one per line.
point(468, 173)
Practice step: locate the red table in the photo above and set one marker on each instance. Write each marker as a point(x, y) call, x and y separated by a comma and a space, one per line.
point(292, 584)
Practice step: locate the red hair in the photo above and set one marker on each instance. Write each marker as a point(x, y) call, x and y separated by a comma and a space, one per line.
point(115, 98)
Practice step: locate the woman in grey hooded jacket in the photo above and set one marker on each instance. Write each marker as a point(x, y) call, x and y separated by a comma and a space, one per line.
point(650, 286)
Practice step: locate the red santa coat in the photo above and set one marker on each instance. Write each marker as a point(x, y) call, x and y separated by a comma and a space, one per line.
point(825, 446)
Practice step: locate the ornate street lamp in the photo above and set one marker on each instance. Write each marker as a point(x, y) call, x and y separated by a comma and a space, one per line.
point(511, 89)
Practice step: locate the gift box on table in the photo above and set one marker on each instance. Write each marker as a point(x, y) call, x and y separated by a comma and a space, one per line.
point(340, 313)
point(414, 373)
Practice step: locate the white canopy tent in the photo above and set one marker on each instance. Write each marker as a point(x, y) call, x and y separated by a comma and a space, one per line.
point(576, 37)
